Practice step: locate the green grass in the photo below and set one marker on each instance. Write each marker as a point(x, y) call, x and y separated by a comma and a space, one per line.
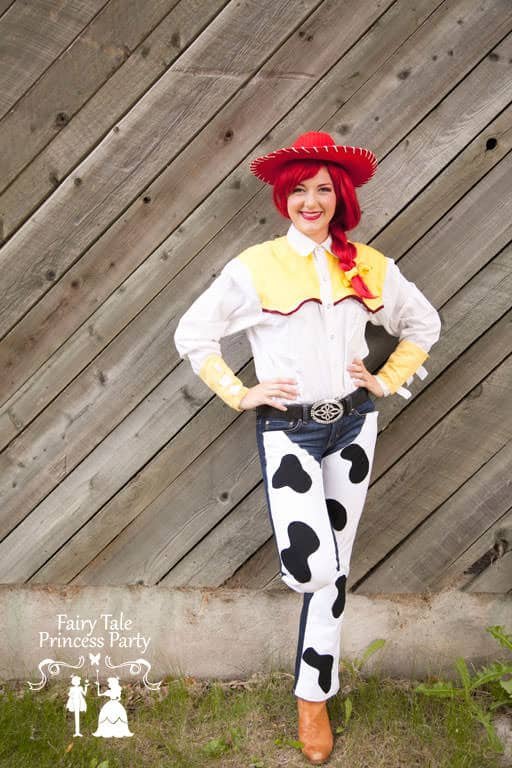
point(242, 724)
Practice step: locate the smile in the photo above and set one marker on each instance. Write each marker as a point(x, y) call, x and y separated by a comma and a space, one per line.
point(310, 216)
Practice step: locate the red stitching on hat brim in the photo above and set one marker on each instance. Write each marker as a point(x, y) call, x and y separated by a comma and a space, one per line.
point(279, 157)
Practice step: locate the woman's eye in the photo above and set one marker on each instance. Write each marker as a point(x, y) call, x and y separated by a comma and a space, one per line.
point(322, 189)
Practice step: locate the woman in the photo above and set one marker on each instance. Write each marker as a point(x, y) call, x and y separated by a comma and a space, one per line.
point(112, 720)
point(304, 300)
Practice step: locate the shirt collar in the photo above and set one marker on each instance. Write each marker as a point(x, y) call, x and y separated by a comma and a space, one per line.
point(304, 244)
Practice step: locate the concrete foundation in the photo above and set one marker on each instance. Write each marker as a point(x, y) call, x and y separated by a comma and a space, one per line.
point(231, 634)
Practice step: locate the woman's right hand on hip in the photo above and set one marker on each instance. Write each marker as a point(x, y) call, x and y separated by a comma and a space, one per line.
point(263, 393)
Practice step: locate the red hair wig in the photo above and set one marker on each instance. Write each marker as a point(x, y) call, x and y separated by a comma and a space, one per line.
point(347, 214)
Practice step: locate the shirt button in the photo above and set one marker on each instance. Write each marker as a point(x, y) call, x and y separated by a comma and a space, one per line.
point(331, 336)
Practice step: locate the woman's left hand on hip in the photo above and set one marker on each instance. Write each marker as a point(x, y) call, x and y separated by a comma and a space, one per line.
point(363, 378)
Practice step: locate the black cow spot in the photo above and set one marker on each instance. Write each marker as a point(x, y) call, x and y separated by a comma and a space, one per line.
point(359, 459)
point(337, 514)
point(303, 542)
point(291, 474)
point(339, 603)
point(322, 662)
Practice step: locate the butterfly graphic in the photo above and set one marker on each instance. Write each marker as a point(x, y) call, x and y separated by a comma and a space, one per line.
point(95, 658)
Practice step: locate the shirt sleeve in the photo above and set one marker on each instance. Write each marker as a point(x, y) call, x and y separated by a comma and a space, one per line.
point(408, 314)
point(230, 304)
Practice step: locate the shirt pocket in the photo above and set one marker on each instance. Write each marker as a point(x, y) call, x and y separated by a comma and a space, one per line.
point(277, 330)
point(356, 318)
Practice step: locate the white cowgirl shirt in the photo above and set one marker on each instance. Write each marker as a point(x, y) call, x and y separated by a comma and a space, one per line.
point(304, 320)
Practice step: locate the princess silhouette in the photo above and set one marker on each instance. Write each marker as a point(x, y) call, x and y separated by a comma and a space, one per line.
point(76, 700)
point(113, 720)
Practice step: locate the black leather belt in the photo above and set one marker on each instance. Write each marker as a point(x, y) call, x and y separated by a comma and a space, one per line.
point(321, 411)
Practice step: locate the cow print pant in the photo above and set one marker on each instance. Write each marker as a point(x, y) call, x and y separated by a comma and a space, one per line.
point(316, 478)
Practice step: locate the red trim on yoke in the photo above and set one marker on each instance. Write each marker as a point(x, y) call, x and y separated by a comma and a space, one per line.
point(319, 301)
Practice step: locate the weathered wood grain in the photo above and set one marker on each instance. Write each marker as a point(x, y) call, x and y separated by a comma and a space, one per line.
point(118, 253)
point(198, 499)
point(496, 578)
point(155, 130)
point(433, 469)
point(5, 5)
point(92, 405)
point(32, 35)
point(105, 107)
point(117, 471)
point(20, 352)
point(68, 83)
point(417, 563)
point(259, 570)
point(428, 65)
point(474, 340)
point(470, 312)
point(459, 574)
point(168, 441)
point(218, 555)
point(461, 140)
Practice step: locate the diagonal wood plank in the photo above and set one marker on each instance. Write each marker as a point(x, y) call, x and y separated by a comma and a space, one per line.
point(456, 138)
point(182, 514)
point(469, 346)
point(459, 573)
point(155, 130)
point(73, 78)
point(415, 565)
point(105, 107)
point(461, 226)
point(256, 572)
point(497, 578)
point(216, 557)
point(42, 30)
point(432, 470)
point(102, 509)
point(5, 5)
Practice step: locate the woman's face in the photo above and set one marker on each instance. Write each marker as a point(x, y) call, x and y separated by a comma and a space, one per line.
point(311, 205)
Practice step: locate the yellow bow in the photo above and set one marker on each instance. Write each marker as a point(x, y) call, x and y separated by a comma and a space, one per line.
point(360, 270)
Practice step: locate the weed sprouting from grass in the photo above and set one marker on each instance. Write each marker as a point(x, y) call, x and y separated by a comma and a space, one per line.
point(493, 682)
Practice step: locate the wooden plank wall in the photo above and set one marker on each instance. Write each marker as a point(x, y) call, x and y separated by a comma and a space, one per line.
point(126, 128)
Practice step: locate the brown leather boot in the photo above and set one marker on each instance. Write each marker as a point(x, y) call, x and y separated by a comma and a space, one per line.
point(315, 730)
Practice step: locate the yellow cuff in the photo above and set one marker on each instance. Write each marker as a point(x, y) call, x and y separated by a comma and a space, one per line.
point(401, 364)
point(217, 375)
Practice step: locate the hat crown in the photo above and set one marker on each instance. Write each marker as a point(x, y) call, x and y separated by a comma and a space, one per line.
point(313, 139)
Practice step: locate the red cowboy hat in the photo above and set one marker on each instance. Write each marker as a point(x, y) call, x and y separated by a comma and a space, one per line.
point(359, 163)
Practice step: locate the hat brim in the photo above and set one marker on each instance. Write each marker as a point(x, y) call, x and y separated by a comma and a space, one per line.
point(359, 162)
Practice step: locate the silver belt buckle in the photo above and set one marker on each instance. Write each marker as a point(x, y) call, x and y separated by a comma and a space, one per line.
point(326, 411)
